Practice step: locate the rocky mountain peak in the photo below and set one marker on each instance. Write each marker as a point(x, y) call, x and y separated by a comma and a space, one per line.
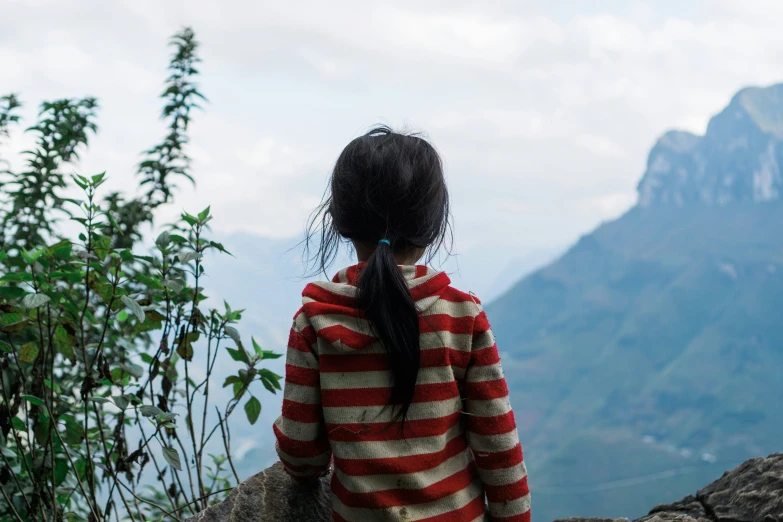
point(738, 159)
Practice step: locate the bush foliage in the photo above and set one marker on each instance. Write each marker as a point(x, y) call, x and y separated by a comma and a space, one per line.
point(107, 355)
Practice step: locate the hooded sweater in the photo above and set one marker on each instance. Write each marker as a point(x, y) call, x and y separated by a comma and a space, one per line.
point(459, 453)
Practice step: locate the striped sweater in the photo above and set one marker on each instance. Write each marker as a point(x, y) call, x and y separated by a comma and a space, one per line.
point(460, 453)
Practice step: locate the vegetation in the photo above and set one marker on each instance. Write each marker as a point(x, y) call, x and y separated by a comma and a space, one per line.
point(107, 354)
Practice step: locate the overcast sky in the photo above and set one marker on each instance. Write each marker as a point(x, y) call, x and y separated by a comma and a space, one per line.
point(544, 111)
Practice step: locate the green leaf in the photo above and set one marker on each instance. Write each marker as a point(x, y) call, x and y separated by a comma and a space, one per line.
point(78, 182)
point(149, 282)
point(256, 347)
point(52, 386)
point(60, 471)
point(28, 352)
point(219, 247)
point(187, 257)
point(32, 301)
point(120, 401)
point(231, 379)
point(204, 214)
point(32, 257)
point(154, 316)
point(150, 411)
point(98, 178)
point(133, 369)
point(264, 354)
point(239, 389)
point(172, 457)
point(174, 285)
point(233, 334)
point(81, 466)
point(33, 400)
point(18, 424)
point(101, 245)
point(12, 292)
point(163, 240)
point(185, 350)
point(166, 416)
point(99, 400)
point(270, 380)
point(74, 431)
point(269, 354)
point(238, 355)
point(252, 409)
point(8, 452)
point(190, 220)
point(41, 430)
point(61, 250)
point(16, 277)
point(64, 341)
point(134, 307)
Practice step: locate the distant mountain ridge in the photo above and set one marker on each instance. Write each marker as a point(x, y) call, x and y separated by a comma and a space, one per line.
point(738, 159)
point(648, 356)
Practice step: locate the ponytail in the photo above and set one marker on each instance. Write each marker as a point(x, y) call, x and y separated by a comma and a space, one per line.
point(385, 185)
point(384, 297)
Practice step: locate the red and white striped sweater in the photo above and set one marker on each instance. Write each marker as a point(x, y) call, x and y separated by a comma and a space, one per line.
point(460, 441)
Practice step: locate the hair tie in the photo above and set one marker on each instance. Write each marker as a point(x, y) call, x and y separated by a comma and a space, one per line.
point(385, 241)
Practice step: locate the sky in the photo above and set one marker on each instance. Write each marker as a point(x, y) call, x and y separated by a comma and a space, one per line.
point(544, 112)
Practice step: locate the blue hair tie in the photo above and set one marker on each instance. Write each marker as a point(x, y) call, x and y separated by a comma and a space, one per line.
point(385, 241)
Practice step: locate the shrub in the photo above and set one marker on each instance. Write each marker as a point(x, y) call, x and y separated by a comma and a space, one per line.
point(107, 355)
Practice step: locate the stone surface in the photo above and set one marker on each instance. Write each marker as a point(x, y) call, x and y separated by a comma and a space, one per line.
point(688, 509)
point(687, 506)
point(272, 496)
point(580, 519)
point(752, 492)
point(671, 517)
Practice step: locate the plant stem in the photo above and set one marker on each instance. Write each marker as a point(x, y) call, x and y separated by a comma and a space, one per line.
point(227, 444)
point(10, 504)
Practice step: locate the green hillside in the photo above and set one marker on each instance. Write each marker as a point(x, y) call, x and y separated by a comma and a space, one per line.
point(649, 357)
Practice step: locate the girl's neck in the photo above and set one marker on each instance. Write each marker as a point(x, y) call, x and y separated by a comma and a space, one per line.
point(402, 257)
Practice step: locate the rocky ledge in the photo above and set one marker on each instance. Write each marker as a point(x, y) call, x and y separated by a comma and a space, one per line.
point(752, 492)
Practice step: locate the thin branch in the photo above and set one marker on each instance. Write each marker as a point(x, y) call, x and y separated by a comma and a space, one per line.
point(10, 504)
point(109, 464)
point(210, 494)
point(75, 472)
point(227, 444)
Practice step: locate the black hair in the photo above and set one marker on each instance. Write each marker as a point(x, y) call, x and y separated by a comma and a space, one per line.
point(385, 186)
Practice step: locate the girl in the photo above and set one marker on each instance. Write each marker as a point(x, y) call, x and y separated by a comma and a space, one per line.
point(392, 375)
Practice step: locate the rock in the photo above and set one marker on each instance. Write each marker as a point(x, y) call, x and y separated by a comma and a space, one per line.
point(272, 496)
point(752, 492)
point(688, 509)
point(671, 517)
point(580, 519)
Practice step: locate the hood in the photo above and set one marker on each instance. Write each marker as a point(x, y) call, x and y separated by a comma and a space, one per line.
point(331, 305)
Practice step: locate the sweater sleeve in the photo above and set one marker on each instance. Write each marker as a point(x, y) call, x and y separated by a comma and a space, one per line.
point(302, 444)
point(492, 431)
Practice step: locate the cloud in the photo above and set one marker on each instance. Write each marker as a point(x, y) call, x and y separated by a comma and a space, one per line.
point(544, 112)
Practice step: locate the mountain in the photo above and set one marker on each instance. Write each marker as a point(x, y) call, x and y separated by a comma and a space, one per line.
point(737, 160)
point(649, 355)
